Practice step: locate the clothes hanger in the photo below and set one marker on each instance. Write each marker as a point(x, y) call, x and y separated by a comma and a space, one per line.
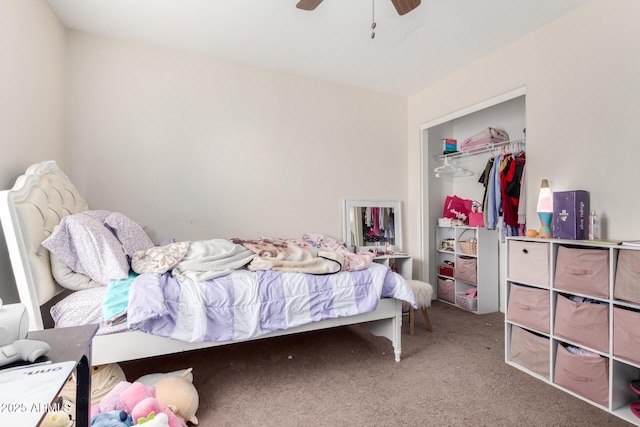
point(450, 169)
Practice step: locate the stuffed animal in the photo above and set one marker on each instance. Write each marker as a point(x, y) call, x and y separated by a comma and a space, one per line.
point(123, 397)
point(151, 404)
point(56, 419)
point(112, 419)
point(152, 379)
point(179, 395)
point(153, 420)
point(103, 379)
point(134, 394)
point(111, 401)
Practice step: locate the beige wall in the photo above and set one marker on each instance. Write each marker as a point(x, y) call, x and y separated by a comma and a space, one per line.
point(32, 57)
point(198, 148)
point(582, 111)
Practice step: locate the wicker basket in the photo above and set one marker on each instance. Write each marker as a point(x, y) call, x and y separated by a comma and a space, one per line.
point(468, 247)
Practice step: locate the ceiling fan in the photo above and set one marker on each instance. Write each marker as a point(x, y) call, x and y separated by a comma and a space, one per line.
point(402, 6)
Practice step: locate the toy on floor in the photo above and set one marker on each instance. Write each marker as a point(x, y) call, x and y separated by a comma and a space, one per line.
point(144, 408)
point(103, 379)
point(152, 379)
point(179, 395)
point(112, 419)
point(134, 394)
point(172, 394)
point(56, 419)
point(153, 420)
point(139, 400)
point(112, 400)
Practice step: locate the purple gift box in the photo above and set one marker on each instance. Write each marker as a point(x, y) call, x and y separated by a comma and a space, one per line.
point(571, 215)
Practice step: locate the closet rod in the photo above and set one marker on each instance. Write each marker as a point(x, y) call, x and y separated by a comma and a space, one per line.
point(486, 148)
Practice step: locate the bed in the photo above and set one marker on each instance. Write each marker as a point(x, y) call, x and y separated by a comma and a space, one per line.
point(36, 207)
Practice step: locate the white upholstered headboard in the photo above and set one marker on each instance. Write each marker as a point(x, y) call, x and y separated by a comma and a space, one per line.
point(28, 212)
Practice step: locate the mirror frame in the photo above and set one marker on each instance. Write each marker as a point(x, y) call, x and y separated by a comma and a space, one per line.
point(397, 216)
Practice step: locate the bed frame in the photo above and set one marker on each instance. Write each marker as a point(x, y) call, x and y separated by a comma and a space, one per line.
point(40, 199)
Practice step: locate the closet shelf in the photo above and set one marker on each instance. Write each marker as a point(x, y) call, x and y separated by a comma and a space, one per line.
point(497, 148)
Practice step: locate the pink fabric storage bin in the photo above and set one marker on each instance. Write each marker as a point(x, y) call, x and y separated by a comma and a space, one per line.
point(585, 271)
point(584, 375)
point(626, 334)
point(447, 290)
point(530, 351)
point(529, 263)
point(585, 323)
point(627, 276)
point(466, 269)
point(529, 307)
point(468, 303)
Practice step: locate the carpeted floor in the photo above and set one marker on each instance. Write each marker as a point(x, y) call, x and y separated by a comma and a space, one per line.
point(453, 376)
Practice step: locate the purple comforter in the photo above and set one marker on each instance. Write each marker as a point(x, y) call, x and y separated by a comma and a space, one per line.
point(246, 304)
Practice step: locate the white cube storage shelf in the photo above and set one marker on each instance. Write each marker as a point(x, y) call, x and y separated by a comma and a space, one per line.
point(546, 278)
point(483, 276)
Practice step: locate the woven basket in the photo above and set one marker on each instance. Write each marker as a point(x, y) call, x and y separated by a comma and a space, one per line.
point(468, 247)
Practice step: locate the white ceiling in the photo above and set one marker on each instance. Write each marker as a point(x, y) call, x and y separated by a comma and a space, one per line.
point(332, 42)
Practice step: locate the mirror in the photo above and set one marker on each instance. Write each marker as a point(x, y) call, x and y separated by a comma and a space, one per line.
point(370, 222)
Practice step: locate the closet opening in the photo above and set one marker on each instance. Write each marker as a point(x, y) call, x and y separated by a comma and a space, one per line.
point(461, 174)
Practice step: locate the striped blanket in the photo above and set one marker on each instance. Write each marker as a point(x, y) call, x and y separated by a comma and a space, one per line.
point(246, 304)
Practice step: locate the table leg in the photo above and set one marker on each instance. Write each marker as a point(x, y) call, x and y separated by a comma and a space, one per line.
point(83, 391)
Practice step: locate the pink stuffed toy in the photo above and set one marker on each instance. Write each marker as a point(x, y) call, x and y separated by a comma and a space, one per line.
point(134, 394)
point(149, 405)
point(123, 397)
point(111, 401)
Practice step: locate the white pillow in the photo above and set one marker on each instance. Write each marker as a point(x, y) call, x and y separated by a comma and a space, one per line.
point(67, 278)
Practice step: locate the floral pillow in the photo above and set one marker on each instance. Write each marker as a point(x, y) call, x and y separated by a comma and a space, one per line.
point(86, 246)
point(129, 233)
point(83, 308)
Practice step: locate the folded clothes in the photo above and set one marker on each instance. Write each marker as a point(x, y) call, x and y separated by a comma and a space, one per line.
point(485, 137)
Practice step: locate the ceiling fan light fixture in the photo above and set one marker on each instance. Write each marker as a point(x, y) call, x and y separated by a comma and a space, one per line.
point(308, 4)
point(373, 19)
point(405, 6)
point(402, 6)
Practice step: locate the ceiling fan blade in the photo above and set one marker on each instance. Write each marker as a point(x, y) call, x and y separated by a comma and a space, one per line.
point(404, 6)
point(308, 4)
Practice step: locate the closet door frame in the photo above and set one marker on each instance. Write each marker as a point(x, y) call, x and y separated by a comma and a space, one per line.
point(433, 191)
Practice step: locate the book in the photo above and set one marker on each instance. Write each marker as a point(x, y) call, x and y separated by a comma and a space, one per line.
point(635, 243)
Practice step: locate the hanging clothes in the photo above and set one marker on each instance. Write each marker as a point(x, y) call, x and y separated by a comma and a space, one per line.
point(522, 206)
point(510, 182)
point(493, 207)
point(503, 180)
point(390, 231)
point(375, 213)
point(484, 179)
